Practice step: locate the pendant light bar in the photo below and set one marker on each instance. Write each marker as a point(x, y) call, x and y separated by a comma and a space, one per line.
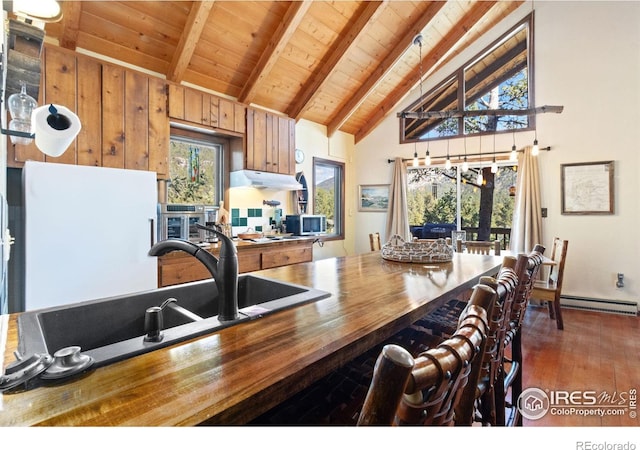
point(545, 149)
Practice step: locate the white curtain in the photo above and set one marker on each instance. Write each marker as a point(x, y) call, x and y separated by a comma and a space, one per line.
point(398, 214)
point(526, 227)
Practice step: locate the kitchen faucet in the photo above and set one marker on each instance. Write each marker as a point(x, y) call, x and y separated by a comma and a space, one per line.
point(224, 269)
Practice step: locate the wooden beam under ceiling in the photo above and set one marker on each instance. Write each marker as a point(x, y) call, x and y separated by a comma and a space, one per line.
point(449, 41)
point(196, 21)
point(383, 68)
point(71, 12)
point(335, 54)
point(280, 38)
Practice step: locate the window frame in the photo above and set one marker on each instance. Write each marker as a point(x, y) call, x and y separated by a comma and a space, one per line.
point(339, 196)
point(204, 138)
point(458, 76)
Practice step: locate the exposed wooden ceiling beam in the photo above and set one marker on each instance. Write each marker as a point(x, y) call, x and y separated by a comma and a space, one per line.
point(335, 54)
point(478, 10)
point(383, 68)
point(188, 39)
point(71, 12)
point(276, 45)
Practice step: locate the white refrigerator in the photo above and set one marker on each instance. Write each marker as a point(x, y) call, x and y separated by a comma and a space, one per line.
point(87, 232)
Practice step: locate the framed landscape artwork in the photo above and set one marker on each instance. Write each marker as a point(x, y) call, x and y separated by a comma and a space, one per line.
point(373, 197)
point(587, 188)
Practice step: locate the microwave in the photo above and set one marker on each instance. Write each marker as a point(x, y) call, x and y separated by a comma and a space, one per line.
point(306, 224)
point(178, 221)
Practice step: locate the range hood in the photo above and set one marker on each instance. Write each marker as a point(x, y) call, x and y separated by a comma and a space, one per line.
point(264, 180)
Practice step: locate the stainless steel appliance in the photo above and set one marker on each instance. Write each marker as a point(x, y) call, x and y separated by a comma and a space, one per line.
point(306, 224)
point(177, 221)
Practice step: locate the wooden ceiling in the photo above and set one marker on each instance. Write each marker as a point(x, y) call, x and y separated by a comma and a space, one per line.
point(343, 64)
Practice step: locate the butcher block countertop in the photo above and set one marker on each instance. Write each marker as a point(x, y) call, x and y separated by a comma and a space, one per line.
point(237, 373)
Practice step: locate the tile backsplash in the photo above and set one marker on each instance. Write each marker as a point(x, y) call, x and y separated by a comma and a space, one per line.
point(245, 218)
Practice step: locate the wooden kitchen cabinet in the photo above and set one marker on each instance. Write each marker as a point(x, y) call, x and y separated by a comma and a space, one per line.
point(123, 114)
point(270, 142)
point(177, 267)
point(202, 108)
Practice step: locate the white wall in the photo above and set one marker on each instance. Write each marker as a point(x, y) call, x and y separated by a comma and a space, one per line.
point(312, 139)
point(587, 58)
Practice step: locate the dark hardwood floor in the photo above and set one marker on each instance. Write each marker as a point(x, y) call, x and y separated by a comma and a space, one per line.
point(597, 352)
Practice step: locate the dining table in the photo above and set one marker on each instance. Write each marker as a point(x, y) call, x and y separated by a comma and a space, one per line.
point(237, 373)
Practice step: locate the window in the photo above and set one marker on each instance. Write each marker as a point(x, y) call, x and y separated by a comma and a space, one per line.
point(500, 77)
point(438, 196)
point(328, 194)
point(195, 168)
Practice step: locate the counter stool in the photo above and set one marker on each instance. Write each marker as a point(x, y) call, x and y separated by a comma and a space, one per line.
point(426, 390)
point(439, 325)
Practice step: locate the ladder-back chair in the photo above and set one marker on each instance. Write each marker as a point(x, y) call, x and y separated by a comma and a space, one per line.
point(427, 389)
point(441, 325)
point(374, 241)
point(479, 247)
point(549, 290)
point(513, 339)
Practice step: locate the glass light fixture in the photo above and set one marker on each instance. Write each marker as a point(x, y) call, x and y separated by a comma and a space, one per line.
point(465, 164)
point(427, 159)
point(43, 10)
point(494, 164)
point(535, 149)
point(415, 159)
point(513, 156)
point(20, 106)
point(479, 180)
point(447, 164)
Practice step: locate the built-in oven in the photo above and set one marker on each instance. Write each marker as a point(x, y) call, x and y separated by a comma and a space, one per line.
point(177, 221)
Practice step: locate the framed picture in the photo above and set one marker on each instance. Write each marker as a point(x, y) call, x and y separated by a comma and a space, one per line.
point(587, 188)
point(373, 197)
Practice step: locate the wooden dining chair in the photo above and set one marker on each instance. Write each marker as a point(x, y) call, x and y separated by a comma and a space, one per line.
point(549, 290)
point(479, 247)
point(512, 366)
point(480, 398)
point(374, 241)
point(427, 389)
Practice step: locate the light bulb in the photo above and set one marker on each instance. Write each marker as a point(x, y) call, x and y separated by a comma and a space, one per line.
point(479, 179)
point(513, 156)
point(494, 167)
point(465, 165)
point(415, 159)
point(427, 159)
point(535, 150)
point(447, 164)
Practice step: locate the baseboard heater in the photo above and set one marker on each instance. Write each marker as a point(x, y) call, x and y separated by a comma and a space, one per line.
point(627, 308)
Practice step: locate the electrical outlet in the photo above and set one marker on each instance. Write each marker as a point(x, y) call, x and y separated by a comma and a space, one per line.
point(620, 282)
point(544, 212)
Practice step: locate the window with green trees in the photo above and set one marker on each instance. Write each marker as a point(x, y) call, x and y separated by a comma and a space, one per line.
point(195, 170)
point(432, 196)
point(328, 194)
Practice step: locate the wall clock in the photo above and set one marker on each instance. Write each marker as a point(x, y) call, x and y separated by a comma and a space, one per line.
point(299, 155)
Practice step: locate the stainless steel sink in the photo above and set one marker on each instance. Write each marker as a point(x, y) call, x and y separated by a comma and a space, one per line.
point(112, 329)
